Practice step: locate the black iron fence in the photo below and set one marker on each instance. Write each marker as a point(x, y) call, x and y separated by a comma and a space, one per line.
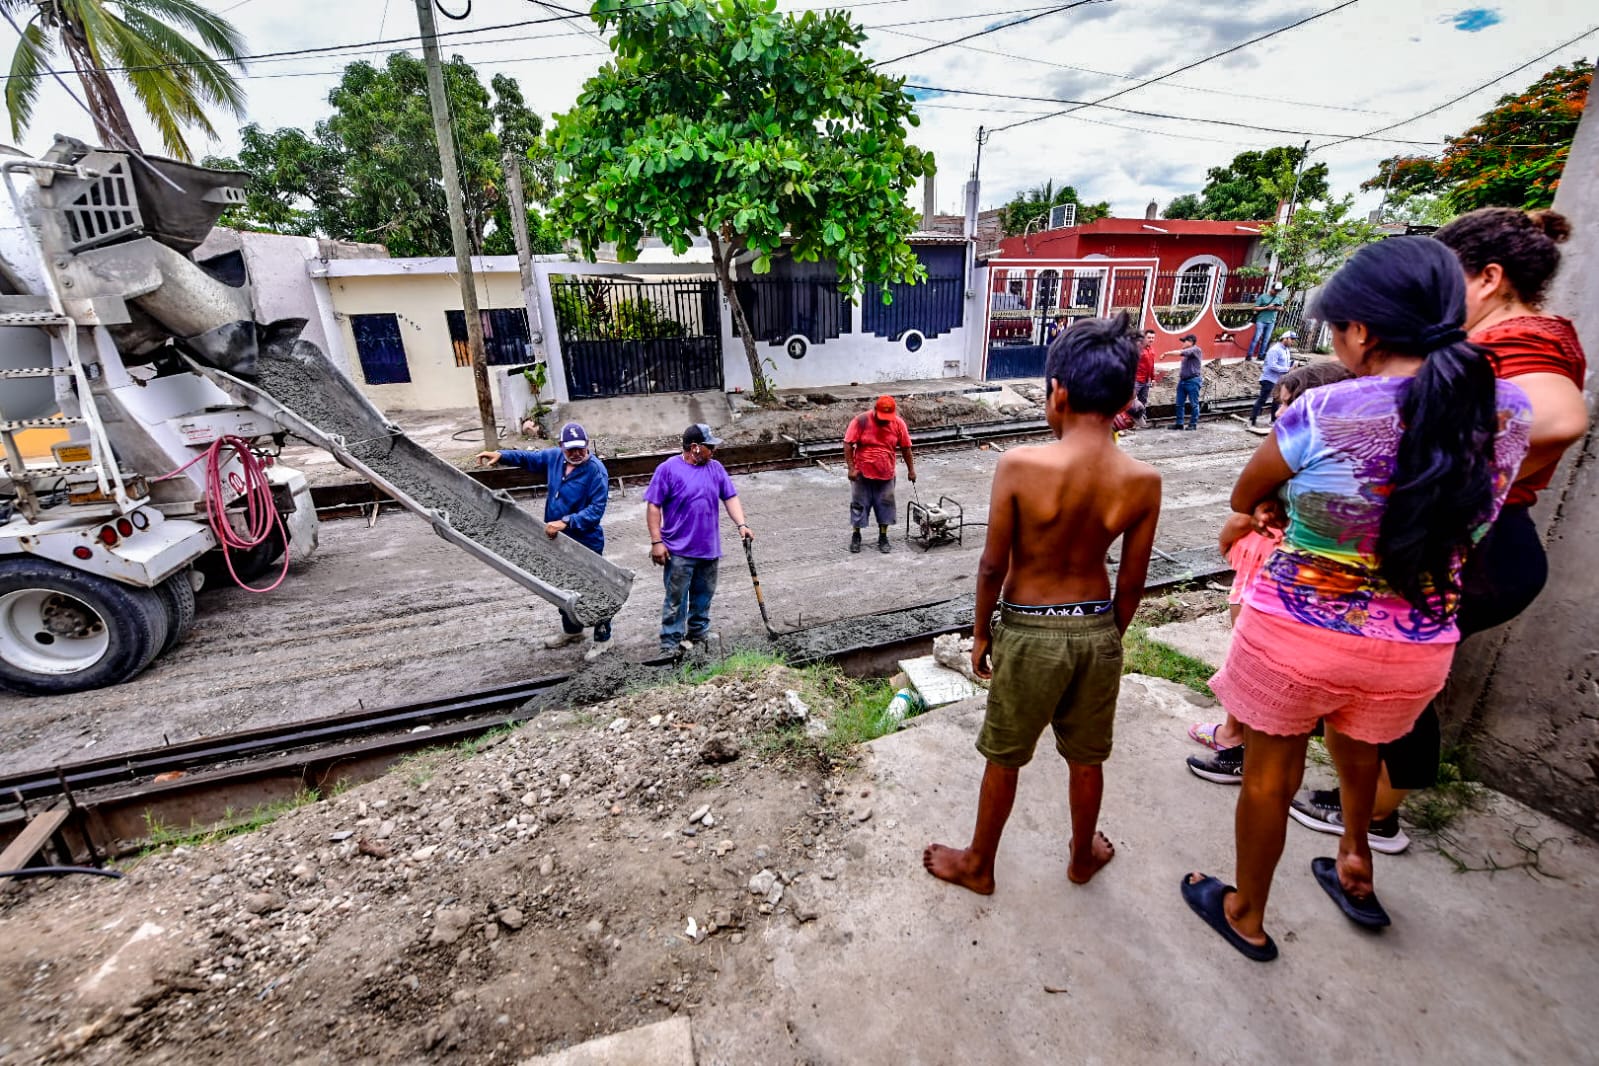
point(930, 307)
point(621, 337)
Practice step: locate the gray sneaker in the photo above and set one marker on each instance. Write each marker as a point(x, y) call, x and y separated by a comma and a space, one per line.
point(1225, 766)
point(1321, 810)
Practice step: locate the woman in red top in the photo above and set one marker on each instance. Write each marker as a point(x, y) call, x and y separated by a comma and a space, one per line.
point(1509, 256)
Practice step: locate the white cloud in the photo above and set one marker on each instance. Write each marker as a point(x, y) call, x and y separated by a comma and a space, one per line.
point(1347, 73)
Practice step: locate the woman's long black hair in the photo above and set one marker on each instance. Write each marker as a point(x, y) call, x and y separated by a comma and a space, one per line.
point(1409, 292)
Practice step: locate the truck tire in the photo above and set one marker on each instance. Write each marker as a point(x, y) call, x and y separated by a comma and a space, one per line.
point(177, 597)
point(62, 630)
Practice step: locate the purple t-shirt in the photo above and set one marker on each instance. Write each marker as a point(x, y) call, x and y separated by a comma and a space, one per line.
point(690, 498)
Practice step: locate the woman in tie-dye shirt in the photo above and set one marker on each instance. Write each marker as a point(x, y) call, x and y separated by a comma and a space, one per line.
point(1388, 479)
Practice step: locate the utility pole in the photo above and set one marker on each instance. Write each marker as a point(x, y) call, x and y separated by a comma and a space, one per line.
point(452, 196)
point(1293, 201)
point(524, 257)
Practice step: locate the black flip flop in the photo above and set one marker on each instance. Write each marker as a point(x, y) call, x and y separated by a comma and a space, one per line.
point(1205, 899)
point(1366, 913)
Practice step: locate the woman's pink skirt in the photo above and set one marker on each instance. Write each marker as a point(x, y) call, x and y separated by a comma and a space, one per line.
point(1281, 676)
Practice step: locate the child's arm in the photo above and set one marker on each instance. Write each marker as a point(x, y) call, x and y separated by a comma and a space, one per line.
point(1235, 529)
point(995, 562)
point(1138, 541)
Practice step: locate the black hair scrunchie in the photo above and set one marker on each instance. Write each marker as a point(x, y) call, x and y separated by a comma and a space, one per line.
point(1441, 336)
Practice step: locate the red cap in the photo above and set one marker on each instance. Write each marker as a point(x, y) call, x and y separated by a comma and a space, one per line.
point(886, 408)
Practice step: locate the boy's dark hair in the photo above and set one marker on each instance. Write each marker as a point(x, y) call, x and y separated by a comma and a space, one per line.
point(1095, 362)
point(1525, 244)
point(1411, 294)
point(1190, 339)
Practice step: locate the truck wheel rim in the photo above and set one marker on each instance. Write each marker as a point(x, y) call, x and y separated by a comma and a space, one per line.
point(48, 632)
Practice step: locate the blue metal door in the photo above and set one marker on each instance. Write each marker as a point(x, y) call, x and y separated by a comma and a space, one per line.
point(382, 352)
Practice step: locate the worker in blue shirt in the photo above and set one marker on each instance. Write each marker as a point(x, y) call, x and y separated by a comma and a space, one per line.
point(577, 490)
point(1279, 361)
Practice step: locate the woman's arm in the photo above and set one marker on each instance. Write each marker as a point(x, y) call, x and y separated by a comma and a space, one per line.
point(1263, 475)
point(1559, 419)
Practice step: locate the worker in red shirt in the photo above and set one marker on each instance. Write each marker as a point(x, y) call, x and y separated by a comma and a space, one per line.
point(869, 446)
point(1144, 378)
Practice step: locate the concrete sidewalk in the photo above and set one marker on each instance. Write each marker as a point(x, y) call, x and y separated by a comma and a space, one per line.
point(1478, 968)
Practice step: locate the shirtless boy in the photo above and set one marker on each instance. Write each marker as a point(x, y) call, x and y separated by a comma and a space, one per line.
point(1056, 655)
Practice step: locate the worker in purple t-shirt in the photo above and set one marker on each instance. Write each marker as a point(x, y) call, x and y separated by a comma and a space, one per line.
point(686, 535)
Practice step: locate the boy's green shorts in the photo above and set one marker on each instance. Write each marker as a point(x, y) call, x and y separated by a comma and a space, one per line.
point(1052, 671)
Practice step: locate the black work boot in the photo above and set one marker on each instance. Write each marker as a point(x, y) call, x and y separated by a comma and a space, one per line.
point(855, 542)
point(882, 540)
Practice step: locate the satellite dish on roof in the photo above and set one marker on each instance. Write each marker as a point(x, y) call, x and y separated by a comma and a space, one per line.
point(1062, 216)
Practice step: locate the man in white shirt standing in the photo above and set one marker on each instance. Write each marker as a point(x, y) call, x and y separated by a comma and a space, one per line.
point(1279, 360)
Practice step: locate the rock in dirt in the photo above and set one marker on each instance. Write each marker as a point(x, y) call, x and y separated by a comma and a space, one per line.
point(761, 884)
point(719, 748)
point(449, 923)
point(512, 918)
point(263, 902)
point(699, 813)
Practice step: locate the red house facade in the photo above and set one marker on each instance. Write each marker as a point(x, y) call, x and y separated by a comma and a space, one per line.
point(1173, 276)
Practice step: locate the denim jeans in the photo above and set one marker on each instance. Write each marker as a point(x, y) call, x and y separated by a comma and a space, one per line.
point(602, 632)
point(690, 584)
point(1188, 400)
point(1267, 395)
point(1261, 340)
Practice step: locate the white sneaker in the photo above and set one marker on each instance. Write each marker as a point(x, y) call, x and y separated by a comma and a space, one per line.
point(596, 650)
point(562, 639)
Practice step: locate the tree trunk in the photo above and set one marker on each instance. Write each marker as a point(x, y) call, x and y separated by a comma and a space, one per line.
point(111, 123)
point(722, 254)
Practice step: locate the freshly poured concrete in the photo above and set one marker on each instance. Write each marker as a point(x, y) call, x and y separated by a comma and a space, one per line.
point(901, 968)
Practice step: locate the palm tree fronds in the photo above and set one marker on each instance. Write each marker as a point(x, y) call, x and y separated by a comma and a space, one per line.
point(28, 64)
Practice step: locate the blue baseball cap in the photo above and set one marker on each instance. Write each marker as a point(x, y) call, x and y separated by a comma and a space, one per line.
point(572, 436)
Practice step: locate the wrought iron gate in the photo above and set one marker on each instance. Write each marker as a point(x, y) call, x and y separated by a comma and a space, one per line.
point(621, 337)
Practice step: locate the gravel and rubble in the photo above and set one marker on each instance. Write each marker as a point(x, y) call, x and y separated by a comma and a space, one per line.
point(590, 871)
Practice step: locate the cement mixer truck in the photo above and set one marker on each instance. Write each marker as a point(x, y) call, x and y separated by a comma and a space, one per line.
point(142, 406)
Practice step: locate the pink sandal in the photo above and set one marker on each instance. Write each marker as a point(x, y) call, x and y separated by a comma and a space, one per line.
point(1205, 733)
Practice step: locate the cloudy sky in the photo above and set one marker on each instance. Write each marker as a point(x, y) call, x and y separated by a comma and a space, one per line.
point(1361, 67)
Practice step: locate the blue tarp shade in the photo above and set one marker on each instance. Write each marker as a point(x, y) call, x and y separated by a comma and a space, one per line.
point(505, 336)
point(382, 352)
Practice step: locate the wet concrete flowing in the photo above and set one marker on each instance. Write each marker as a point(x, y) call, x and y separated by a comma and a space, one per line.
point(301, 380)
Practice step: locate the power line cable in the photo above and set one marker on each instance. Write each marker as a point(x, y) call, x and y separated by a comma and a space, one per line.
point(325, 49)
point(986, 31)
point(1138, 112)
point(1187, 66)
point(1469, 92)
point(1131, 77)
point(438, 5)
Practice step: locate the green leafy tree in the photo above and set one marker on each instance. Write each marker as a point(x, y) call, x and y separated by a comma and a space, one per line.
point(1188, 205)
point(1251, 186)
point(370, 171)
point(1512, 157)
point(1027, 207)
point(1316, 241)
point(172, 53)
point(755, 128)
point(292, 177)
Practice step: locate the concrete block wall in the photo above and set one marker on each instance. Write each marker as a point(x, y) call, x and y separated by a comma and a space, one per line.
point(1527, 695)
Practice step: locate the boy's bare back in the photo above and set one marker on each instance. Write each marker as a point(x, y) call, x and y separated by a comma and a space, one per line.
point(1064, 504)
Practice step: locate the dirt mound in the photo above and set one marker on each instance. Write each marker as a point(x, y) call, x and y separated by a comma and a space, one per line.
point(584, 874)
